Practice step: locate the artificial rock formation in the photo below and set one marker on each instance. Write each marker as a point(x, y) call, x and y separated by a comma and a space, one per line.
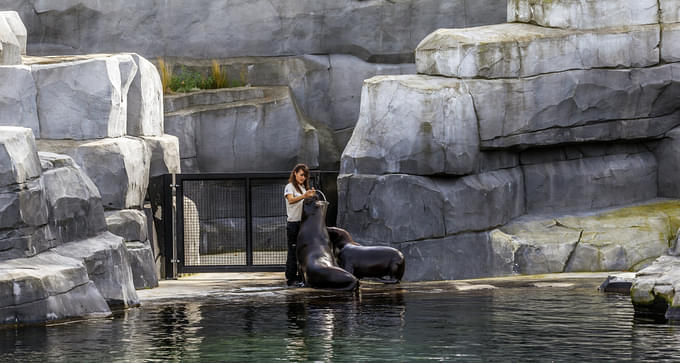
point(12, 38)
point(571, 107)
point(57, 260)
point(306, 45)
point(264, 128)
point(86, 134)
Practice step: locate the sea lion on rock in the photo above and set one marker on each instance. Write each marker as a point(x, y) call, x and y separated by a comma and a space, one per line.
point(385, 263)
point(314, 251)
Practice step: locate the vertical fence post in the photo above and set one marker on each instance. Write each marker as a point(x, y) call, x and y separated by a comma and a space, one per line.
point(249, 224)
point(175, 203)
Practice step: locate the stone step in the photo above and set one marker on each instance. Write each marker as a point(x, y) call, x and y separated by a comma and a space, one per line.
point(140, 257)
point(106, 259)
point(47, 287)
point(522, 50)
point(591, 14)
point(627, 238)
point(176, 102)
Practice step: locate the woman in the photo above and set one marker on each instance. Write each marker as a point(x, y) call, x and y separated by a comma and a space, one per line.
point(296, 190)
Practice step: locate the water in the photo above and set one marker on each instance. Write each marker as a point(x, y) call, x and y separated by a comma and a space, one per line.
point(383, 323)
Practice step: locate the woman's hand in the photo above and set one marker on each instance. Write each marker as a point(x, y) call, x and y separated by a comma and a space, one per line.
point(310, 193)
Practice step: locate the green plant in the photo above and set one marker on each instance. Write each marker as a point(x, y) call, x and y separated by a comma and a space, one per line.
point(188, 81)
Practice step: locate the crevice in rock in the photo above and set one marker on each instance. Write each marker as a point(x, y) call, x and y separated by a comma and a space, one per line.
point(571, 254)
point(589, 123)
point(50, 295)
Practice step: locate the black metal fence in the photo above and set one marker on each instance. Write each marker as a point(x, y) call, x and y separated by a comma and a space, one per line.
point(227, 221)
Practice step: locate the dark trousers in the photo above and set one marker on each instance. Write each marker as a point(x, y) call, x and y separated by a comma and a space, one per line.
point(292, 274)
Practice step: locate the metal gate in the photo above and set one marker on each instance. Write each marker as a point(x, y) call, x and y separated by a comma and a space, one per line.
point(227, 221)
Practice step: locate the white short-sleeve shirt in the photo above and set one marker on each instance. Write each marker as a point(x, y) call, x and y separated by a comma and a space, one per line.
point(294, 210)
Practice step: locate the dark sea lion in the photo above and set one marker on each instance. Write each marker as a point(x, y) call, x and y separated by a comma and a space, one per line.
point(385, 263)
point(314, 253)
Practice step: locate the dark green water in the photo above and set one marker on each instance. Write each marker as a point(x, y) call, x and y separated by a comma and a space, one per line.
point(413, 323)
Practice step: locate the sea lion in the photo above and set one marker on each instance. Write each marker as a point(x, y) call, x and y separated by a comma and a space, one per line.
point(384, 263)
point(314, 254)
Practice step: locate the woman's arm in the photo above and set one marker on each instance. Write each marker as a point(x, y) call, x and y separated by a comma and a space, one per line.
point(292, 200)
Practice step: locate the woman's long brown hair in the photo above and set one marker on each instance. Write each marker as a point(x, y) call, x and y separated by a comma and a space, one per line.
point(291, 178)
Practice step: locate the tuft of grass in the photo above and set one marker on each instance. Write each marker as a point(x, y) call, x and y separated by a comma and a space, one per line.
point(221, 79)
point(166, 75)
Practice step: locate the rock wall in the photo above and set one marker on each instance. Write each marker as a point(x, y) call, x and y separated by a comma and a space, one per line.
point(571, 107)
point(375, 30)
point(246, 129)
point(321, 49)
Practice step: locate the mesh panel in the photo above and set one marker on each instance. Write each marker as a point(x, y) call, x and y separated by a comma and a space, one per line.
point(214, 222)
point(268, 210)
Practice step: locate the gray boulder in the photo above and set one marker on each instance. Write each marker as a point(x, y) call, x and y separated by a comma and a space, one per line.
point(164, 152)
point(667, 155)
point(183, 124)
point(522, 50)
point(19, 160)
point(49, 160)
point(590, 183)
point(47, 287)
point(10, 46)
point(142, 265)
point(17, 27)
point(482, 201)
point(105, 258)
point(84, 99)
point(127, 223)
point(415, 125)
point(369, 210)
point(347, 74)
point(267, 134)
point(654, 289)
point(145, 100)
point(74, 203)
point(26, 242)
point(25, 206)
point(463, 256)
point(584, 14)
point(669, 11)
point(670, 48)
point(549, 109)
point(623, 239)
point(427, 207)
point(119, 167)
point(17, 98)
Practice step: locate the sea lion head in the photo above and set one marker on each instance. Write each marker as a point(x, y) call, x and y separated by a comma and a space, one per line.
point(314, 206)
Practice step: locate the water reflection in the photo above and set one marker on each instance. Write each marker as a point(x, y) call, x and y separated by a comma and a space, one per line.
point(547, 324)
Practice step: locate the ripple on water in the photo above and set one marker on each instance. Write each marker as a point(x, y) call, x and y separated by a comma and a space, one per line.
point(551, 323)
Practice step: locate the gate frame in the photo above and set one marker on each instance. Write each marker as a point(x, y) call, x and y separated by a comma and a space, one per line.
point(316, 177)
point(248, 267)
